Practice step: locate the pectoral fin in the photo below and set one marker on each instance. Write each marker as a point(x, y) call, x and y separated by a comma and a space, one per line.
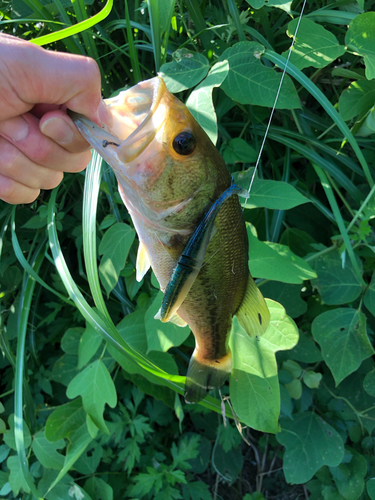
point(175, 319)
point(143, 262)
point(253, 313)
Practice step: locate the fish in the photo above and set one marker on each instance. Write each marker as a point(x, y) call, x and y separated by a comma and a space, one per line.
point(191, 260)
point(169, 175)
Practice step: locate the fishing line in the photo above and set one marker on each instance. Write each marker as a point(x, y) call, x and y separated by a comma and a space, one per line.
point(269, 121)
point(276, 99)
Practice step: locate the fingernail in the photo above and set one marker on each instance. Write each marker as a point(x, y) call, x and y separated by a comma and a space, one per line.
point(15, 128)
point(58, 130)
point(104, 115)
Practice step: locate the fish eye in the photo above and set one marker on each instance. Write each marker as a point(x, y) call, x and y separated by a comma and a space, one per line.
point(184, 143)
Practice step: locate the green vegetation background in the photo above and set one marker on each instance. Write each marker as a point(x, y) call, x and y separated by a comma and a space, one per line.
point(90, 383)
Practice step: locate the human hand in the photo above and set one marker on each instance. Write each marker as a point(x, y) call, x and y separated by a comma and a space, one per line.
point(38, 140)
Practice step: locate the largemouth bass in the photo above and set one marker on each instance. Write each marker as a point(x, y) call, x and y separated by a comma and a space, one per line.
point(169, 175)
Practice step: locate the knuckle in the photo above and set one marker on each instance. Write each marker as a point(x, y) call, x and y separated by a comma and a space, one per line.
point(80, 161)
point(52, 180)
point(9, 157)
point(14, 193)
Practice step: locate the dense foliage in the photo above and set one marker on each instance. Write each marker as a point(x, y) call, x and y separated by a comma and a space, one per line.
point(90, 385)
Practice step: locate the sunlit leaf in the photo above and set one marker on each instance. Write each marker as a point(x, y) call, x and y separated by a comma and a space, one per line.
point(186, 70)
point(360, 37)
point(200, 102)
point(314, 45)
point(276, 262)
point(249, 81)
point(276, 195)
point(357, 99)
point(254, 385)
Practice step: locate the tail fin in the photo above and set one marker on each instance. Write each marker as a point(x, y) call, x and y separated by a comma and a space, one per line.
point(203, 375)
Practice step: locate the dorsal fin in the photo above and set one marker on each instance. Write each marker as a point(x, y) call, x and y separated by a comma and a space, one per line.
point(143, 262)
point(253, 313)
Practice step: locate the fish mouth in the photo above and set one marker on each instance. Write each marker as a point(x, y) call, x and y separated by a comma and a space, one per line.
point(137, 114)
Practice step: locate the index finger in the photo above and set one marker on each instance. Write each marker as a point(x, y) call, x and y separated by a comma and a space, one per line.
point(48, 77)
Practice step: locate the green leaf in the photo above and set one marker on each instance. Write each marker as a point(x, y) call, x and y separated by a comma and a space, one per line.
point(312, 379)
point(200, 463)
point(281, 4)
point(360, 37)
point(196, 490)
point(238, 151)
point(186, 70)
point(115, 247)
point(46, 452)
point(132, 329)
point(314, 46)
point(369, 299)
point(250, 82)
point(185, 451)
point(96, 387)
point(200, 102)
point(276, 262)
point(98, 489)
point(357, 99)
point(370, 488)
point(341, 334)
point(16, 477)
point(132, 285)
point(162, 336)
point(254, 386)
point(310, 443)
point(276, 195)
point(65, 420)
point(294, 388)
point(369, 383)
point(65, 369)
point(336, 285)
point(293, 368)
point(229, 437)
point(90, 459)
point(288, 295)
point(349, 476)
point(89, 344)
point(70, 340)
point(144, 483)
point(130, 454)
point(9, 438)
point(80, 439)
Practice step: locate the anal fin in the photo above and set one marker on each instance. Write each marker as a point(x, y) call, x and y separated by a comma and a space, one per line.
point(143, 262)
point(253, 313)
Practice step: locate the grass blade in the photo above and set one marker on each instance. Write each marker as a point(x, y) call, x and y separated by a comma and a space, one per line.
point(77, 28)
point(153, 9)
point(233, 10)
point(132, 51)
point(336, 211)
point(24, 310)
point(322, 99)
